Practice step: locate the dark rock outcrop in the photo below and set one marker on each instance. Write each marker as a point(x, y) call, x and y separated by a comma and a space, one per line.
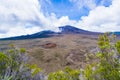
point(49, 45)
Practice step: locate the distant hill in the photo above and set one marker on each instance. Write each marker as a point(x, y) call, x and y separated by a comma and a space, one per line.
point(73, 30)
point(116, 33)
point(44, 34)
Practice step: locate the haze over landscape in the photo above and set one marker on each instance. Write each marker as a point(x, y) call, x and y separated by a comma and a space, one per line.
point(31, 16)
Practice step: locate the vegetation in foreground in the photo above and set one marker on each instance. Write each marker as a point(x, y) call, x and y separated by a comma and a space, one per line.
point(14, 66)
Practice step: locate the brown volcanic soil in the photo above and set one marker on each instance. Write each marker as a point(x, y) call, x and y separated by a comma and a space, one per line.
point(67, 50)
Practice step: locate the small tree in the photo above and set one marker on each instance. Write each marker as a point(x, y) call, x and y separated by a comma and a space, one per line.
point(14, 66)
point(108, 65)
point(67, 74)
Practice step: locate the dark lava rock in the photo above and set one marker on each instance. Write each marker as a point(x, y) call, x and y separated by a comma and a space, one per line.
point(49, 45)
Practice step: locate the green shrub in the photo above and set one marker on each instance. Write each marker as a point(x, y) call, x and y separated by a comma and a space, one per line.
point(14, 66)
point(67, 74)
point(108, 66)
point(5, 78)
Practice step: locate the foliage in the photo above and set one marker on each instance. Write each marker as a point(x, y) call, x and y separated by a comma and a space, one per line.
point(108, 65)
point(34, 69)
point(14, 66)
point(5, 78)
point(67, 74)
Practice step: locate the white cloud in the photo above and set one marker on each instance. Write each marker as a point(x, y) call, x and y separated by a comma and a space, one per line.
point(23, 9)
point(104, 2)
point(84, 3)
point(18, 30)
point(26, 17)
point(16, 15)
point(103, 18)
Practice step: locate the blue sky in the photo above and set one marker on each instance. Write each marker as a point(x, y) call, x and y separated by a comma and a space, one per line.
point(70, 9)
point(21, 17)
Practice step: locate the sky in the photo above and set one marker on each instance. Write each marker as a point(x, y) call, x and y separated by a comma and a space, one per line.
point(21, 17)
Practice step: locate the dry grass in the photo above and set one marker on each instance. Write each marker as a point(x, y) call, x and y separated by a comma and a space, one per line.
point(70, 51)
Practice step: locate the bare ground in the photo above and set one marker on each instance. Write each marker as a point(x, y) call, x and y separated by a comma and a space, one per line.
point(70, 51)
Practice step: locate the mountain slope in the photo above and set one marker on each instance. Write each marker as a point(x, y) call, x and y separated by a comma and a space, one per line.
point(70, 29)
point(44, 34)
point(116, 33)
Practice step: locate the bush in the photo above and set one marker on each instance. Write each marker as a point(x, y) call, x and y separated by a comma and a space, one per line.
point(67, 74)
point(108, 65)
point(14, 66)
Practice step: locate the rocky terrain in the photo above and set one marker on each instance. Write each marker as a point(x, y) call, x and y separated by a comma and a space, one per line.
point(55, 53)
